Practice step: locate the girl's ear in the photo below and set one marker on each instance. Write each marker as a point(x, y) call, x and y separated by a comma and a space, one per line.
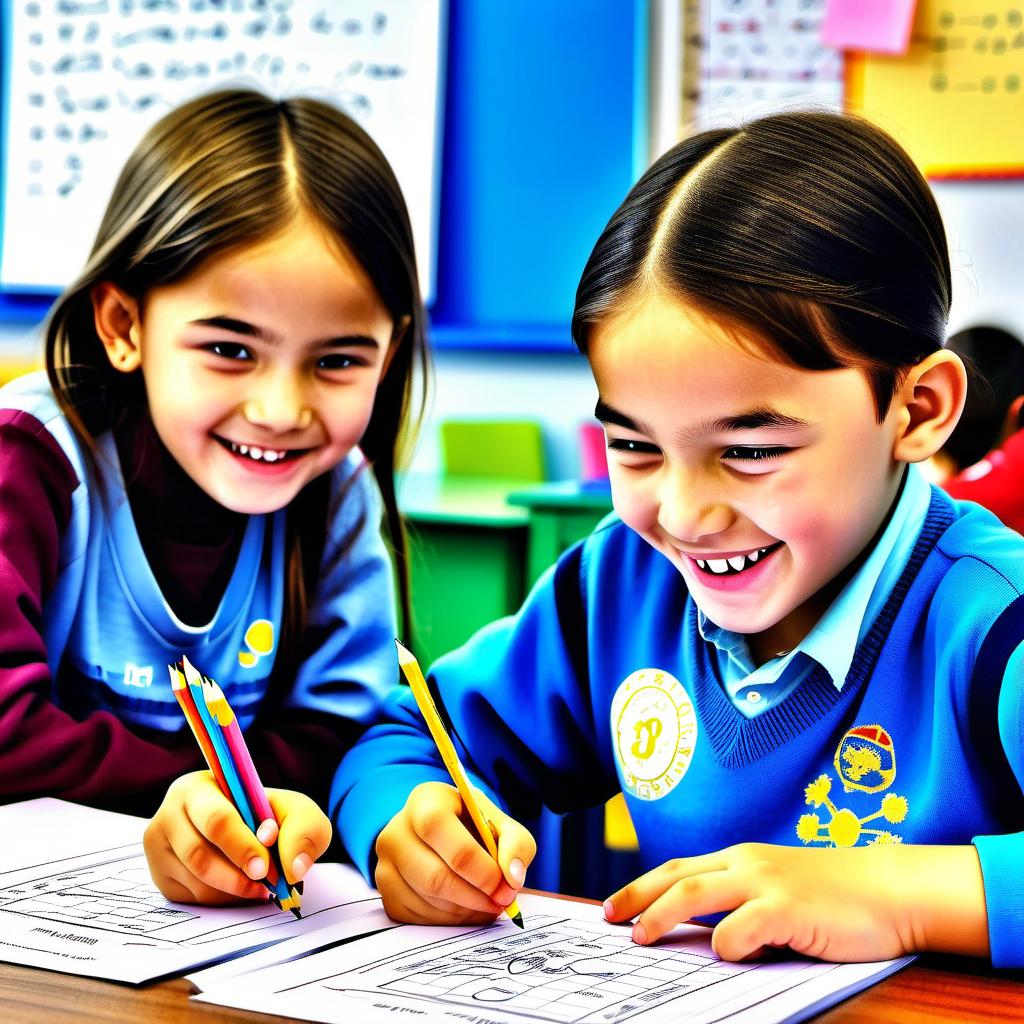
point(929, 404)
point(116, 315)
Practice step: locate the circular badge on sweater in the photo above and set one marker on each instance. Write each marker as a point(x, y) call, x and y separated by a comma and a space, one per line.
point(654, 729)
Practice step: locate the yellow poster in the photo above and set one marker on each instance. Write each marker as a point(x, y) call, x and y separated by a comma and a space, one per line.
point(955, 99)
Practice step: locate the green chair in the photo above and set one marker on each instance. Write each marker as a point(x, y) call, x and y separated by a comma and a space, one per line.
point(509, 449)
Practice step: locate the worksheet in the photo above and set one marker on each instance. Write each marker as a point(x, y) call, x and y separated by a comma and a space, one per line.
point(100, 915)
point(568, 966)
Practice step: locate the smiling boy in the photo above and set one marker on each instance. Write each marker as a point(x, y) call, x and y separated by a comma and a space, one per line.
point(800, 663)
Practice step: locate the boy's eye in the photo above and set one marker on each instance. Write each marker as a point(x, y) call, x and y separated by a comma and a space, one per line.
point(631, 447)
point(741, 453)
point(339, 361)
point(229, 350)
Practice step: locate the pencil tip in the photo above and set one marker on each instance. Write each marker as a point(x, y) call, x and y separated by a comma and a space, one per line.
point(296, 912)
point(404, 654)
point(517, 920)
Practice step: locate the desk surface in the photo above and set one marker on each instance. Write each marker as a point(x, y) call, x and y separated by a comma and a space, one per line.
point(935, 989)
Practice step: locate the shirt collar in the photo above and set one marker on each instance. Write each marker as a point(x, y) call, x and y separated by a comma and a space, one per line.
point(833, 640)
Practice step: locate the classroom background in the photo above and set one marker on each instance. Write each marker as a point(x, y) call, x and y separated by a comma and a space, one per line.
point(515, 128)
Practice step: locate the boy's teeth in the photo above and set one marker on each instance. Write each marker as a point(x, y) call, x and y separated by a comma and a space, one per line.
point(735, 562)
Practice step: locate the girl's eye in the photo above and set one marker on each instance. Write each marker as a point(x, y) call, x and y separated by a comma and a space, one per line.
point(750, 454)
point(631, 447)
point(339, 361)
point(229, 350)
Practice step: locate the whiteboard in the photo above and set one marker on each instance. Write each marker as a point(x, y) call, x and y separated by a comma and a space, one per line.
point(84, 79)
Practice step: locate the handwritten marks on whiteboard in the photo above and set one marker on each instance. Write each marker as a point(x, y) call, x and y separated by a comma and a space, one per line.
point(86, 78)
point(955, 100)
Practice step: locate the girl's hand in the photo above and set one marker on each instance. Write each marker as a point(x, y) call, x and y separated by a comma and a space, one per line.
point(867, 903)
point(432, 868)
point(200, 851)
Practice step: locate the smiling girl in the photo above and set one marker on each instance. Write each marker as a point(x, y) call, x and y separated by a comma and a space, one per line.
point(200, 471)
point(802, 665)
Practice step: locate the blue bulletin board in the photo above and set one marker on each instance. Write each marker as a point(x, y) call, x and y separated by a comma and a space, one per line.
point(544, 119)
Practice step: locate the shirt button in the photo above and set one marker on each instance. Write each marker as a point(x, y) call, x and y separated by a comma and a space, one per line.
point(753, 696)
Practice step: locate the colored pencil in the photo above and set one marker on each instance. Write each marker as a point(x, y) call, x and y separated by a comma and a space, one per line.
point(414, 676)
point(224, 719)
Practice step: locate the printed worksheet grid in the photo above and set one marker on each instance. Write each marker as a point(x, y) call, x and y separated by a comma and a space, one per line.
point(562, 975)
point(124, 902)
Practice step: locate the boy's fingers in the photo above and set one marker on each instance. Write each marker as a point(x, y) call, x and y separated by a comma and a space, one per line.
point(305, 832)
point(436, 825)
point(516, 849)
point(745, 933)
point(429, 875)
point(636, 897)
point(403, 903)
point(706, 893)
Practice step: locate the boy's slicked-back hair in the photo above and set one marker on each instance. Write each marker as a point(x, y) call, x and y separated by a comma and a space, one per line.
point(811, 236)
point(228, 169)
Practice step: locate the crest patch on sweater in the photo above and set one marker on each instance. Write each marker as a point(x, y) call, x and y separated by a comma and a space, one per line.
point(865, 762)
point(654, 730)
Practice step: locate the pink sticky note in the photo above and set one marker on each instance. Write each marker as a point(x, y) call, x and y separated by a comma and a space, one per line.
point(878, 26)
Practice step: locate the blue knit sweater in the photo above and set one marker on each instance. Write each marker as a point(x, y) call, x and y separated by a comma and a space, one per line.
point(602, 682)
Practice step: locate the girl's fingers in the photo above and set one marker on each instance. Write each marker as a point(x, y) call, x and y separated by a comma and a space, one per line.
point(204, 862)
point(305, 832)
point(214, 817)
point(706, 893)
point(636, 897)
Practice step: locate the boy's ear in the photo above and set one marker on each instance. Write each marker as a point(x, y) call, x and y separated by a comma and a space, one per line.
point(116, 315)
point(930, 402)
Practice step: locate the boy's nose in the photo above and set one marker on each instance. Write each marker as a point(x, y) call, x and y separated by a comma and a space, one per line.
point(278, 404)
point(689, 516)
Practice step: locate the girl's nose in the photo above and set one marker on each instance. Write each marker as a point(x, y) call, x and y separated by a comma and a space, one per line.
point(279, 405)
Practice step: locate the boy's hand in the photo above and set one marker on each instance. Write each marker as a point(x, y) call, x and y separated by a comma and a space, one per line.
point(200, 851)
point(857, 904)
point(432, 868)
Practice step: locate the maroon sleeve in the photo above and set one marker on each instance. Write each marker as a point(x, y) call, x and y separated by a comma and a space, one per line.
point(43, 750)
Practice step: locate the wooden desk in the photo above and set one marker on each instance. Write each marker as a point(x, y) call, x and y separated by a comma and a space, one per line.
point(937, 989)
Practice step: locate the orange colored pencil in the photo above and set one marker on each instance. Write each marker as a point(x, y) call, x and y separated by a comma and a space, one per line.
point(184, 695)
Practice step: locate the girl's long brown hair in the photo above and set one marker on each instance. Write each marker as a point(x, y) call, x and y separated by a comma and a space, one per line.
point(230, 169)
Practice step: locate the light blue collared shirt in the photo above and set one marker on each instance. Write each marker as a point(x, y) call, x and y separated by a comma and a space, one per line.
point(833, 641)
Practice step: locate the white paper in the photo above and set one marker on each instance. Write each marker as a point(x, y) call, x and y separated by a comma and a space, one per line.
point(47, 829)
point(568, 966)
point(100, 915)
point(86, 78)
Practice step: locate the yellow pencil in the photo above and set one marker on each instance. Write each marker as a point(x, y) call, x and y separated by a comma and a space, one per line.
point(411, 670)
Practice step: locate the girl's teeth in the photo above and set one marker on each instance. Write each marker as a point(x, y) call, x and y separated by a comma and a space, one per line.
point(737, 562)
point(718, 564)
point(257, 453)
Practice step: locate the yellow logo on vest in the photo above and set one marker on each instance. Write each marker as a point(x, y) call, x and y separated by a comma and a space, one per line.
point(654, 729)
point(259, 639)
point(865, 761)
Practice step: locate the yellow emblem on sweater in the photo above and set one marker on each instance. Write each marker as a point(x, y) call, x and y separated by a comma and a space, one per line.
point(259, 639)
point(654, 729)
point(865, 760)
